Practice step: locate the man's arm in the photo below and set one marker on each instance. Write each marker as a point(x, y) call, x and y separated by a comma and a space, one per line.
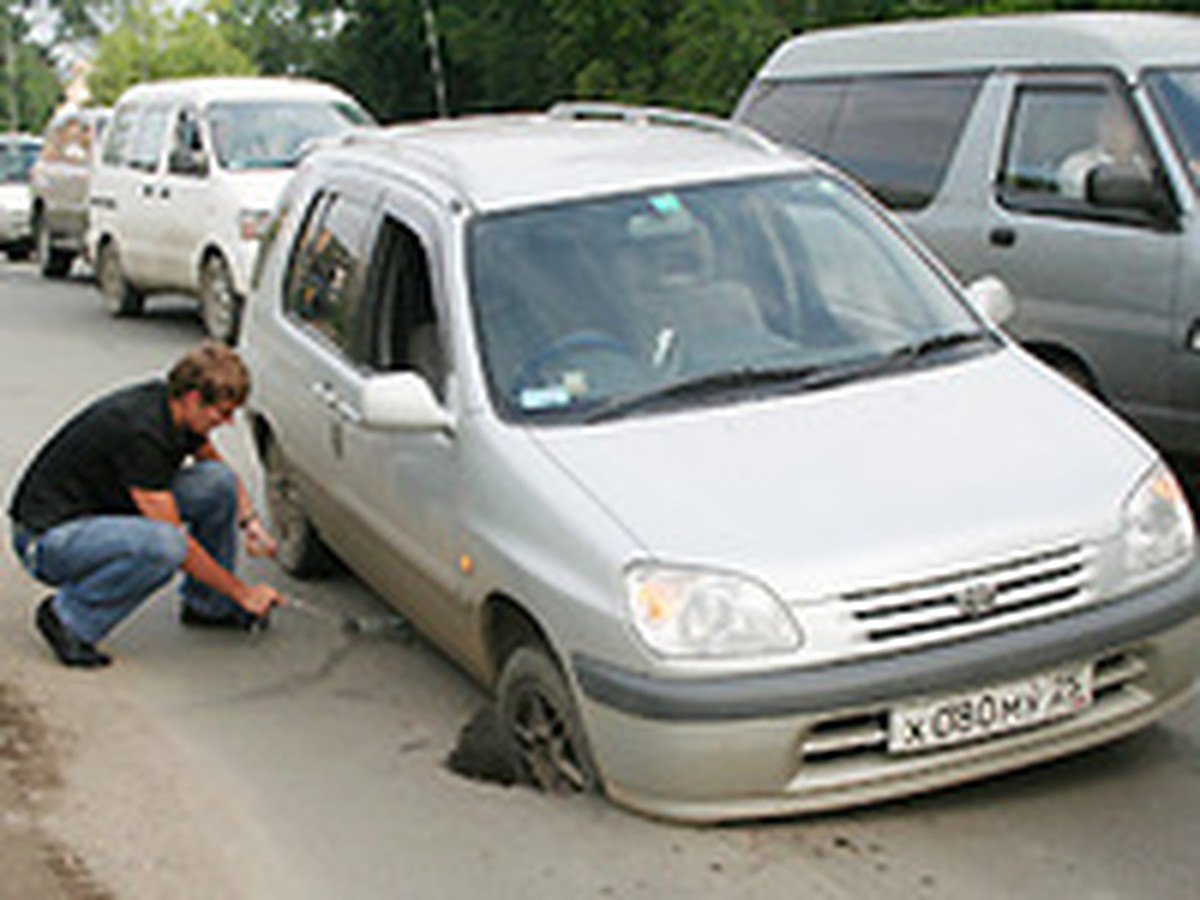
point(161, 506)
point(258, 540)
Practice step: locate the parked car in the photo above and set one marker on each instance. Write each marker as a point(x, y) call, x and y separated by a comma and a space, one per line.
point(188, 174)
point(979, 133)
point(17, 153)
point(59, 185)
point(722, 484)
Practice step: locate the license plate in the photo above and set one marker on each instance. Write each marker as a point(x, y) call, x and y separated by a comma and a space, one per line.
point(990, 711)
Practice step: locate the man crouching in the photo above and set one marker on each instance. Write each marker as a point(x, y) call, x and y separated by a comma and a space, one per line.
point(129, 491)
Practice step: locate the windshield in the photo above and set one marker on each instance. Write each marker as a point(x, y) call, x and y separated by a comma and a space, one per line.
point(272, 134)
point(1176, 93)
point(16, 159)
point(700, 294)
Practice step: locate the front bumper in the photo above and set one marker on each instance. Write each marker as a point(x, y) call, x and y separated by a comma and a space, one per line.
point(815, 738)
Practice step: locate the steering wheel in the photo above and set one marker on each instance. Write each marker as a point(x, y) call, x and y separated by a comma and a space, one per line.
point(575, 343)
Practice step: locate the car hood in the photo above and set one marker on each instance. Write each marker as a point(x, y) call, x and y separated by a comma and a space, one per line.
point(954, 464)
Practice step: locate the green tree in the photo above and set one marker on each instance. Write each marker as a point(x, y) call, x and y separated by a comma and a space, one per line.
point(152, 43)
point(29, 89)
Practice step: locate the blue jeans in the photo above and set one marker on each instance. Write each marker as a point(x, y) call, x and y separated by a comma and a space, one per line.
point(105, 566)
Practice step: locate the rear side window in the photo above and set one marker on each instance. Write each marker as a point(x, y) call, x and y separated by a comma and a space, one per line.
point(324, 284)
point(897, 135)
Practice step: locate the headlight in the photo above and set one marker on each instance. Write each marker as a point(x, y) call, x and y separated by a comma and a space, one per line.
point(681, 611)
point(1158, 524)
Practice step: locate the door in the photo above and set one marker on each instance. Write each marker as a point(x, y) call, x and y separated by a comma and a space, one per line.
point(185, 193)
point(404, 484)
point(139, 214)
point(1097, 283)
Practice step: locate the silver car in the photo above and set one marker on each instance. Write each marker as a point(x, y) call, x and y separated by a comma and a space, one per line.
point(17, 155)
point(686, 450)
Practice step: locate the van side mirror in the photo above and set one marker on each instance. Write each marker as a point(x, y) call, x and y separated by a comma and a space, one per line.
point(1128, 187)
point(402, 401)
point(184, 161)
point(992, 299)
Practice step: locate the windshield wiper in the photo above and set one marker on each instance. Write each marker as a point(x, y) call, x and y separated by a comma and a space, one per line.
point(931, 346)
point(713, 383)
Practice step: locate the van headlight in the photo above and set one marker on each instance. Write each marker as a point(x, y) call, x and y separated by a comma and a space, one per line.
point(681, 611)
point(1158, 529)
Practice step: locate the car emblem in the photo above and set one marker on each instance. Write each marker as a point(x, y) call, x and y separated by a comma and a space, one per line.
point(976, 600)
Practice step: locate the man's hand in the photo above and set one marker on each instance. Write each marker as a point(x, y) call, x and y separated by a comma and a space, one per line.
point(259, 598)
point(258, 540)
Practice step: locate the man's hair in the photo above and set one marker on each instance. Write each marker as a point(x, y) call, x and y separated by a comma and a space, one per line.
point(214, 370)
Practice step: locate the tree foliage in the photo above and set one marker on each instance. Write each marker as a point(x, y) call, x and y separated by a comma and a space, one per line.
point(152, 43)
point(29, 88)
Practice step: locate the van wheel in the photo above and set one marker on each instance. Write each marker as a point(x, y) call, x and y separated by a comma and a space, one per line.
point(220, 306)
point(52, 262)
point(541, 727)
point(301, 551)
point(121, 298)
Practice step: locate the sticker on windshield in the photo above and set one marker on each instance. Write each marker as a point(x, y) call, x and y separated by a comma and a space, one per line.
point(666, 204)
point(551, 397)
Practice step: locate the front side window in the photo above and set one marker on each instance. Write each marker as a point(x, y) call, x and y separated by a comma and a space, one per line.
point(896, 134)
point(149, 135)
point(116, 145)
point(1058, 135)
point(1176, 94)
point(273, 134)
point(584, 308)
point(324, 285)
point(187, 148)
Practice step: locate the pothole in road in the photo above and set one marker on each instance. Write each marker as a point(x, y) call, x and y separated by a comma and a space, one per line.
point(481, 754)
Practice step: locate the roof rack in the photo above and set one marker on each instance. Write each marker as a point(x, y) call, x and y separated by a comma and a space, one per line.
point(653, 115)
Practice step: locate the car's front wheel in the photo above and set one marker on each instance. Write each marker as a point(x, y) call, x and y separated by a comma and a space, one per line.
point(301, 551)
point(541, 725)
point(220, 305)
point(121, 298)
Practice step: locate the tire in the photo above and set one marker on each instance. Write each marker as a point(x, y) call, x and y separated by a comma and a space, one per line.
point(17, 252)
point(52, 262)
point(301, 551)
point(540, 724)
point(121, 299)
point(220, 305)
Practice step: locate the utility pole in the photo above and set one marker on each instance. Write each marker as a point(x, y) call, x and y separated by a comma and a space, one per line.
point(435, 58)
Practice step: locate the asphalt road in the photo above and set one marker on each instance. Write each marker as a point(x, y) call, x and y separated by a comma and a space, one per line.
point(308, 762)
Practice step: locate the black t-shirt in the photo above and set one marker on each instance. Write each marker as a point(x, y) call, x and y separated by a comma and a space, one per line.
point(121, 441)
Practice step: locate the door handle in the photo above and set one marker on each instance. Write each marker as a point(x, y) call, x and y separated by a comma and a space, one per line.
point(1002, 236)
point(147, 190)
point(164, 192)
point(325, 393)
point(329, 398)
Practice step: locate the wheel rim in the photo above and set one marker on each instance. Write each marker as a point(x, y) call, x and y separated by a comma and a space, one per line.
point(217, 299)
point(112, 282)
point(545, 746)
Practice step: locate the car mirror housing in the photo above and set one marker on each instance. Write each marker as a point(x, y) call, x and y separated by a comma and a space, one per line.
point(403, 401)
point(992, 299)
point(1124, 186)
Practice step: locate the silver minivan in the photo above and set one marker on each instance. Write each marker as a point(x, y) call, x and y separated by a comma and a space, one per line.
point(1059, 152)
point(718, 480)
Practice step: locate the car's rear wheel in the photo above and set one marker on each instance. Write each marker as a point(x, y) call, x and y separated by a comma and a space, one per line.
point(541, 724)
point(301, 551)
point(220, 305)
point(120, 297)
point(53, 262)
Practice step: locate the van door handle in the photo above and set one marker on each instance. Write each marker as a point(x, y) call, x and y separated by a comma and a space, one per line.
point(325, 394)
point(147, 190)
point(1002, 237)
point(164, 192)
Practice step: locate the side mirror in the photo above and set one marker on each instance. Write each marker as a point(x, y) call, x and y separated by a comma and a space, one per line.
point(992, 299)
point(188, 162)
point(1123, 186)
point(402, 401)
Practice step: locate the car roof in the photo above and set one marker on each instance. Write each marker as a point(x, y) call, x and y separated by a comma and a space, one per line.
point(203, 91)
point(1128, 42)
point(497, 162)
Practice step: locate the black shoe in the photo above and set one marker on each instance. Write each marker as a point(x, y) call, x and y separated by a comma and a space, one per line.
point(230, 621)
point(70, 650)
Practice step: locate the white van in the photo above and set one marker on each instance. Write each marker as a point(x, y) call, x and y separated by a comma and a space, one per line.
point(980, 133)
point(189, 173)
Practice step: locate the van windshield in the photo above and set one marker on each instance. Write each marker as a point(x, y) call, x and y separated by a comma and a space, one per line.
point(16, 159)
point(702, 294)
point(1176, 93)
point(273, 134)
